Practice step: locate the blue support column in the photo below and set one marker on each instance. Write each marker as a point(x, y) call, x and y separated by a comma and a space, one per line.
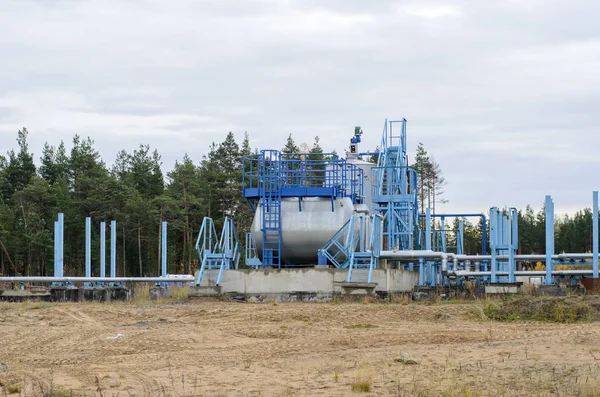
point(428, 229)
point(61, 236)
point(164, 250)
point(56, 271)
point(513, 244)
point(88, 248)
point(493, 242)
point(460, 247)
point(595, 235)
point(549, 240)
point(421, 272)
point(443, 227)
point(113, 248)
point(103, 249)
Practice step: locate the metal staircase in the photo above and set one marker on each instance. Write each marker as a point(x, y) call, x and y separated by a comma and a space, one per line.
point(394, 189)
point(340, 248)
point(216, 255)
point(271, 183)
point(363, 261)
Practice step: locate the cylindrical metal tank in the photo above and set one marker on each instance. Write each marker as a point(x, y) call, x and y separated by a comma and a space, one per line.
point(366, 167)
point(304, 232)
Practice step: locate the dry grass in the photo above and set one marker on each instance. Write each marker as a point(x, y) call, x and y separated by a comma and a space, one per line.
point(547, 309)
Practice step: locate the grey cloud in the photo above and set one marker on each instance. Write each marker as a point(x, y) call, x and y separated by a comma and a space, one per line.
point(503, 94)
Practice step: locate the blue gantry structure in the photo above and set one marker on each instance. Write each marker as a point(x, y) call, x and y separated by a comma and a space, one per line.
point(394, 232)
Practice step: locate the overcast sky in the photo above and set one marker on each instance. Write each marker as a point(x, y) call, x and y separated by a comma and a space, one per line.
point(504, 94)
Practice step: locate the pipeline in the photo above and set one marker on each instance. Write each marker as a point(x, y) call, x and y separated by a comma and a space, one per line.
point(35, 279)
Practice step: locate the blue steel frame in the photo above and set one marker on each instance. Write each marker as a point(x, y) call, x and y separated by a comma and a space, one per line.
point(394, 192)
point(466, 215)
point(222, 254)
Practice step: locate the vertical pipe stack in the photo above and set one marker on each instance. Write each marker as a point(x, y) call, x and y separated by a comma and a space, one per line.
point(595, 236)
point(164, 250)
point(549, 240)
point(113, 248)
point(102, 249)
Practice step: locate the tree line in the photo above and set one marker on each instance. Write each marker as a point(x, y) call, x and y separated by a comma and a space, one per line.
point(136, 193)
point(133, 191)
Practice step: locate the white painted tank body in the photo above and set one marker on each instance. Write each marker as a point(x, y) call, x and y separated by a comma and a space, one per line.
point(366, 167)
point(304, 232)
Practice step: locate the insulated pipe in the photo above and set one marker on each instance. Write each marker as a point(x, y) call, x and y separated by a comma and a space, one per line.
point(463, 273)
point(97, 279)
point(417, 254)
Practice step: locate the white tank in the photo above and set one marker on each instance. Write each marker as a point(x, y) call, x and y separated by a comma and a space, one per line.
point(366, 167)
point(303, 233)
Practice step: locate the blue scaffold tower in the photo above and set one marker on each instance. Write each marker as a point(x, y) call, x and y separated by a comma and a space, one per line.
point(394, 186)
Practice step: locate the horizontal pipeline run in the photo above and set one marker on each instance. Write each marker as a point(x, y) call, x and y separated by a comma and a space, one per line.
point(35, 279)
point(465, 273)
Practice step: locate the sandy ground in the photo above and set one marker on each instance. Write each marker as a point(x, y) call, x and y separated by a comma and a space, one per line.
point(295, 349)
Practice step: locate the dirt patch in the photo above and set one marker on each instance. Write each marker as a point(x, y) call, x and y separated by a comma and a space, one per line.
point(290, 349)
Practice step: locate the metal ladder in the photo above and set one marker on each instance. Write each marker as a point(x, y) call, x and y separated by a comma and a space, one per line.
point(363, 261)
point(271, 183)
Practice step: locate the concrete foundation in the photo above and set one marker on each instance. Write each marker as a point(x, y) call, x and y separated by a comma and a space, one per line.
point(157, 293)
point(495, 289)
point(68, 294)
point(24, 295)
point(85, 294)
point(551, 290)
point(305, 284)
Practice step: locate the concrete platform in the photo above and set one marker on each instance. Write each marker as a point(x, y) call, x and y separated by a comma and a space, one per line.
point(305, 284)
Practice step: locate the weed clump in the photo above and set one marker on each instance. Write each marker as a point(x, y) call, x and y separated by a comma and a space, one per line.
point(554, 310)
point(361, 386)
point(13, 389)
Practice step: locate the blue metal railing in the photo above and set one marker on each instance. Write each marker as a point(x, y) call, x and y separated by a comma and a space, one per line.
point(217, 253)
point(304, 175)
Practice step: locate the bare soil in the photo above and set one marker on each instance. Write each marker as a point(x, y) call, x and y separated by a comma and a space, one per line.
point(209, 348)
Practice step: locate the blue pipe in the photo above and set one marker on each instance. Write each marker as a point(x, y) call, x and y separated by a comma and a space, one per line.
point(113, 249)
point(88, 248)
point(102, 249)
point(549, 240)
point(61, 236)
point(56, 271)
point(427, 229)
point(595, 235)
point(164, 250)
